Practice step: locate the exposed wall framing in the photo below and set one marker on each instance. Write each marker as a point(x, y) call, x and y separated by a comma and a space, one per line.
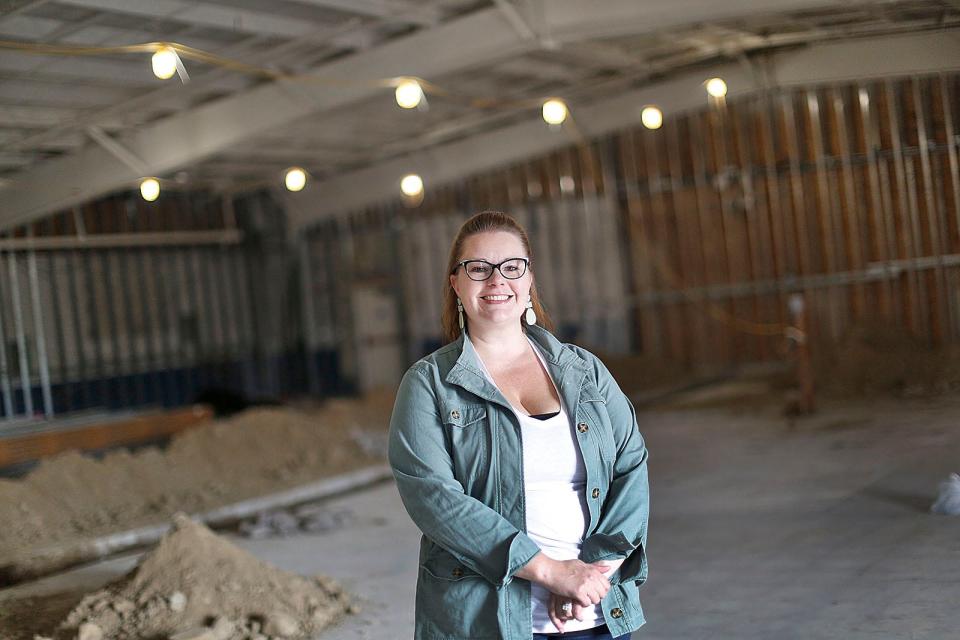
point(119, 303)
point(685, 242)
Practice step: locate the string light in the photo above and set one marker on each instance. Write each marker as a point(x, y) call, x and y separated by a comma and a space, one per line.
point(150, 189)
point(409, 93)
point(411, 185)
point(554, 111)
point(295, 179)
point(164, 63)
point(651, 117)
point(716, 87)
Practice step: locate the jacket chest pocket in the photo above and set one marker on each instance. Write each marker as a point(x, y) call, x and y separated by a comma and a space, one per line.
point(593, 426)
point(468, 434)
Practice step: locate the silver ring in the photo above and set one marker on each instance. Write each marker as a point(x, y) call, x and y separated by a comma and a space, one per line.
point(567, 607)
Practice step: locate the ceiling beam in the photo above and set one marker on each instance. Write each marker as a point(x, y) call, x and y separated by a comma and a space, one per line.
point(13, 7)
point(88, 32)
point(393, 11)
point(182, 139)
point(16, 117)
point(118, 151)
point(169, 95)
point(202, 13)
point(517, 21)
point(187, 137)
point(821, 64)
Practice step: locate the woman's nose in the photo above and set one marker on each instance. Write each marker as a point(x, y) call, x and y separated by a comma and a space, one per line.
point(496, 277)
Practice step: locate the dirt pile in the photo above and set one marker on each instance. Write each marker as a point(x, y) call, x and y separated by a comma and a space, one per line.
point(196, 585)
point(73, 497)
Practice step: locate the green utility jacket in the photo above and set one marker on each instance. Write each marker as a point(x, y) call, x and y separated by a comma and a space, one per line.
point(457, 457)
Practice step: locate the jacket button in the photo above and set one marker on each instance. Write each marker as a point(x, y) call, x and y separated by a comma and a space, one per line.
point(582, 427)
point(458, 572)
point(616, 613)
point(595, 494)
point(455, 414)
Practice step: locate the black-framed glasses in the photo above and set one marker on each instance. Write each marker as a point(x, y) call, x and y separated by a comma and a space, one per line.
point(479, 270)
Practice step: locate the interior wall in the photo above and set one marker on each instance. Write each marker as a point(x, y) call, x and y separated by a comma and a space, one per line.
point(120, 303)
point(686, 242)
point(683, 243)
point(846, 194)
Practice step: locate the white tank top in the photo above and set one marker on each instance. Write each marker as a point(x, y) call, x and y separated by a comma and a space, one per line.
point(554, 481)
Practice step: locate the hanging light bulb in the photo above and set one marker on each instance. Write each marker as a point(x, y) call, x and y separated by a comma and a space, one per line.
point(716, 87)
point(295, 179)
point(411, 185)
point(150, 189)
point(651, 117)
point(554, 111)
point(409, 93)
point(164, 63)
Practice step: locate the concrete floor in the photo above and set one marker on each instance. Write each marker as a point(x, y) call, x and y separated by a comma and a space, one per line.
point(760, 530)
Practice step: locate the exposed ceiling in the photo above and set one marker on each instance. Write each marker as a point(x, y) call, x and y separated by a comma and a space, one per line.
point(74, 127)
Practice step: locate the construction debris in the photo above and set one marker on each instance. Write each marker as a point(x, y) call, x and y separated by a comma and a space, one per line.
point(74, 497)
point(305, 519)
point(195, 585)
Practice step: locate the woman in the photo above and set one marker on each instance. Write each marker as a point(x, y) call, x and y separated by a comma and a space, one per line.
point(520, 460)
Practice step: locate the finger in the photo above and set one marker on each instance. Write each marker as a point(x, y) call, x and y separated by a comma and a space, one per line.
point(557, 622)
point(584, 600)
point(580, 613)
point(601, 587)
point(603, 568)
point(597, 596)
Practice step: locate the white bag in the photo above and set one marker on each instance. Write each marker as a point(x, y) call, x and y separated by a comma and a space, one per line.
point(948, 502)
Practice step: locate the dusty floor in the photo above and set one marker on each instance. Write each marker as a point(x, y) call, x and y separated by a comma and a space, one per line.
point(761, 528)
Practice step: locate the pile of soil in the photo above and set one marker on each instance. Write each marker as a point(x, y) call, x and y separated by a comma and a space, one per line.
point(72, 497)
point(196, 585)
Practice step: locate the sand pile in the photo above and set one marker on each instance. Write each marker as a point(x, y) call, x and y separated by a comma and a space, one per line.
point(73, 497)
point(196, 584)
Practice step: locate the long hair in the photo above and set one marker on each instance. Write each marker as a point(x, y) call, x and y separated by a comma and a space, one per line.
point(481, 223)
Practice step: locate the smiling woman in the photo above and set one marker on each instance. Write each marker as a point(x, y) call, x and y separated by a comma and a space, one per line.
point(520, 460)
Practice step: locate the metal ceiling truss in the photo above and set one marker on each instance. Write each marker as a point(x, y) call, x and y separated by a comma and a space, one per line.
point(214, 127)
point(899, 55)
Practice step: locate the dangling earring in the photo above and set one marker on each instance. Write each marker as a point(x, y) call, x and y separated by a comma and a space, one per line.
point(460, 314)
point(530, 315)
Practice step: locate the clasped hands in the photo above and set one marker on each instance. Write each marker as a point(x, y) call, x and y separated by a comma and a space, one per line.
point(574, 583)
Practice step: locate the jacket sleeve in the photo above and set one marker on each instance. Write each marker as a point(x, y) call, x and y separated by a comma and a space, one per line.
point(622, 529)
point(477, 536)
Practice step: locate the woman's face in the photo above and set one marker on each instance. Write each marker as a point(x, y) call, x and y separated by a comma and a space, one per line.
point(497, 299)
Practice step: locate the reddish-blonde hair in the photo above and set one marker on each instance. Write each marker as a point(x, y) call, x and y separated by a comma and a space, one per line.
point(483, 222)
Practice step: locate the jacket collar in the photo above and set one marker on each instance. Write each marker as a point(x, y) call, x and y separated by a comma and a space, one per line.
point(565, 367)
